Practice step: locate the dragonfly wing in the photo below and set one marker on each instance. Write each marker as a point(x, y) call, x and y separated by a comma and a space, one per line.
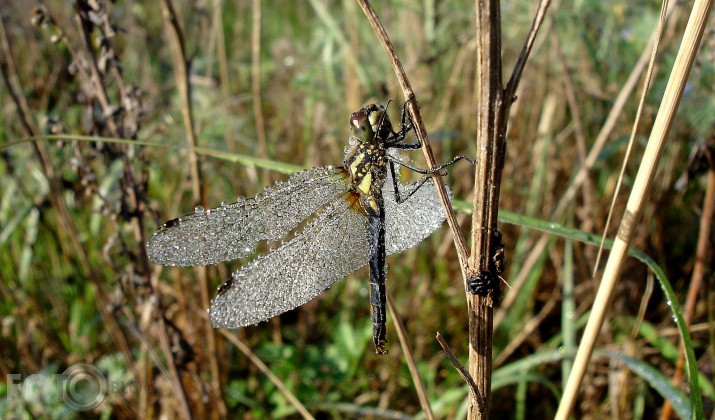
point(233, 230)
point(331, 246)
point(410, 222)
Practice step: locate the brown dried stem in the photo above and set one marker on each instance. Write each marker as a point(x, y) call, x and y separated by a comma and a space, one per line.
point(493, 106)
point(411, 365)
point(266, 371)
point(491, 122)
point(181, 67)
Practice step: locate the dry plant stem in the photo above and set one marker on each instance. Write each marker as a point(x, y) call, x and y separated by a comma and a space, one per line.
point(466, 377)
point(181, 67)
point(494, 123)
point(176, 39)
point(99, 88)
point(266, 371)
point(492, 109)
point(176, 381)
point(491, 148)
point(256, 82)
point(419, 384)
point(641, 189)
point(224, 78)
point(696, 281)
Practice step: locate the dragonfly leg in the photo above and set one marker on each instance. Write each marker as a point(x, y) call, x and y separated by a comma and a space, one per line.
point(426, 172)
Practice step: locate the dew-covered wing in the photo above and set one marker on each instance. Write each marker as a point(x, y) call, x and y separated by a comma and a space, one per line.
point(233, 230)
point(331, 246)
point(410, 222)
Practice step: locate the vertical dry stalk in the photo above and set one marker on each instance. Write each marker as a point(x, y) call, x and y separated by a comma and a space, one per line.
point(490, 160)
point(492, 123)
point(492, 110)
point(176, 39)
point(639, 195)
point(256, 82)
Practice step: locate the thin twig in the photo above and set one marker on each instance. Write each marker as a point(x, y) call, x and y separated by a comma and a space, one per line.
point(416, 378)
point(461, 369)
point(256, 83)
point(266, 371)
point(515, 78)
point(492, 110)
point(181, 67)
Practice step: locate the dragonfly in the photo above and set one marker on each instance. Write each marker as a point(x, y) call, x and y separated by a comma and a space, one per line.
point(357, 214)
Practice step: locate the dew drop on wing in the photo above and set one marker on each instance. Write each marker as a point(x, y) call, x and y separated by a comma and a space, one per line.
point(232, 230)
point(410, 222)
point(199, 209)
point(296, 271)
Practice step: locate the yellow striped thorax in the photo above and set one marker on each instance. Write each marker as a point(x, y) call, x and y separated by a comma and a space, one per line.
point(366, 156)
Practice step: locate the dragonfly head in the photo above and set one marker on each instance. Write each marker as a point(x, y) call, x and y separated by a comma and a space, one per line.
point(371, 124)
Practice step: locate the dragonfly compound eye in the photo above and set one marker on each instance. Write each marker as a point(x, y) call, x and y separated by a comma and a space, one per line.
point(360, 124)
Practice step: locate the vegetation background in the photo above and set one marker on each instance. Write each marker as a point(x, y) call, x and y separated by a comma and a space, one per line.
point(272, 84)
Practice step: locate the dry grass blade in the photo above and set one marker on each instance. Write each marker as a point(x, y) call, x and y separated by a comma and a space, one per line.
point(641, 189)
point(176, 39)
point(263, 368)
point(181, 68)
point(646, 86)
point(416, 378)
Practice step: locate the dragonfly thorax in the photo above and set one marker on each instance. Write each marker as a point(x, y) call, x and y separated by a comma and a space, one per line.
point(366, 156)
point(366, 165)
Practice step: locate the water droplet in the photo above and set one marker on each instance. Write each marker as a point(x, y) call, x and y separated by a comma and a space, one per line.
point(199, 209)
